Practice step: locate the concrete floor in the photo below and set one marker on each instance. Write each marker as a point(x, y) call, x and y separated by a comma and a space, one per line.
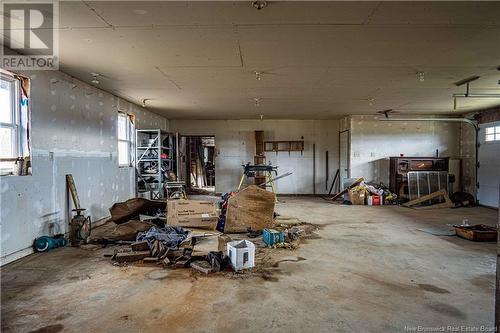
point(370, 270)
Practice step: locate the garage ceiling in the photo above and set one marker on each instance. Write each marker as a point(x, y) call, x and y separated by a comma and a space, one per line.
point(197, 60)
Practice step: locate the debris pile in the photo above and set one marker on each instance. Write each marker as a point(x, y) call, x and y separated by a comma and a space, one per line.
point(187, 233)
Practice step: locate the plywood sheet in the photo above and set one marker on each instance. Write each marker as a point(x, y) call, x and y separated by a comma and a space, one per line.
point(252, 207)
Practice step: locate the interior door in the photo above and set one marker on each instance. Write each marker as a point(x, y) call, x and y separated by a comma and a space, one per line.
point(343, 156)
point(182, 159)
point(488, 174)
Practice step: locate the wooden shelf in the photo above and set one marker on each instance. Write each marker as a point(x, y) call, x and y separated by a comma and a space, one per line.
point(288, 146)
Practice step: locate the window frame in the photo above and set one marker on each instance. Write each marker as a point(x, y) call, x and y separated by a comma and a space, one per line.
point(15, 124)
point(130, 140)
point(495, 134)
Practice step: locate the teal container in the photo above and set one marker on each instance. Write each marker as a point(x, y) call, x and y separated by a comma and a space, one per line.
point(272, 237)
point(46, 243)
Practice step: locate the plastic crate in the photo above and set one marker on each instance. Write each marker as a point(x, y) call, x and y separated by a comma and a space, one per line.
point(272, 237)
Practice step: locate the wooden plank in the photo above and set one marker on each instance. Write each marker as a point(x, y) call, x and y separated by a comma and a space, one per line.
point(252, 207)
point(72, 189)
point(131, 256)
point(447, 204)
point(344, 191)
point(140, 246)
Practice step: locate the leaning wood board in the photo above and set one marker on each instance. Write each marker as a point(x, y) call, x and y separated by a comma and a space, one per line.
point(72, 190)
point(252, 207)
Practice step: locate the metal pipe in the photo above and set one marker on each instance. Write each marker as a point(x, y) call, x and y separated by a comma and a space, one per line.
point(459, 120)
point(467, 95)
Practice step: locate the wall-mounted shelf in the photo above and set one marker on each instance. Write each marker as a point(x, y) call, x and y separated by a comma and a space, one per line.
point(280, 146)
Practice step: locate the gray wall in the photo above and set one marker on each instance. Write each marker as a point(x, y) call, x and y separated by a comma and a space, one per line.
point(374, 141)
point(235, 144)
point(73, 131)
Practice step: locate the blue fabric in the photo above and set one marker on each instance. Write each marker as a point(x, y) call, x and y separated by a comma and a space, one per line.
point(170, 236)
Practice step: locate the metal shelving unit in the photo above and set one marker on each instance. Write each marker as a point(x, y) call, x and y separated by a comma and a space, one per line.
point(154, 156)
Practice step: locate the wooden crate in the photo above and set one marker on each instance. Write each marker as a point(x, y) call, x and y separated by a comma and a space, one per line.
point(477, 233)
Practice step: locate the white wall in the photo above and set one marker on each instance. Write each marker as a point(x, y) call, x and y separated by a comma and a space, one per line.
point(73, 131)
point(374, 141)
point(235, 143)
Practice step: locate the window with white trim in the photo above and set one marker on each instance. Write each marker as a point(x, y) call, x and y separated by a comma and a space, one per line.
point(492, 133)
point(125, 139)
point(14, 143)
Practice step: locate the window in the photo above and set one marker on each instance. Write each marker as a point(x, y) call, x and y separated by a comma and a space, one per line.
point(125, 139)
point(492, 133)
point(14, 150)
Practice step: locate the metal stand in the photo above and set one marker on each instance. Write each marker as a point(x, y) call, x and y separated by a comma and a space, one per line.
point(249, 171)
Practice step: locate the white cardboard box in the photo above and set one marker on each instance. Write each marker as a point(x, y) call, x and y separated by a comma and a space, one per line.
point(242, 254)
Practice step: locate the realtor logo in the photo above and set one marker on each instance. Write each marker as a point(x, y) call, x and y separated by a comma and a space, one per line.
point(30, 35)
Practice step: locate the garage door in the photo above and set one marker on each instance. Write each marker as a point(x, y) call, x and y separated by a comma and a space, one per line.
point(489, 164)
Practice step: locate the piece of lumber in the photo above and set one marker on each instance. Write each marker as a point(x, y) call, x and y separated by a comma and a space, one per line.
point(72, 190)
point(140, 246)
point(131, 256)
point(150, 260)
point(447, 204)
point(344, 191)
point(202, 266)
point(252, 207)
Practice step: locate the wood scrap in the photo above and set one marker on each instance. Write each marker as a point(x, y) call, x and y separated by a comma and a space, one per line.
point(131, 256)
point(344, 191)
point(202, 266)
point(150, 260)
point(72, 189)
point(140, 246)
point(441, 193)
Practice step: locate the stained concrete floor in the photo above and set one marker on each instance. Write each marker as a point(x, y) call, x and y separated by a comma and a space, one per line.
point(370, 270)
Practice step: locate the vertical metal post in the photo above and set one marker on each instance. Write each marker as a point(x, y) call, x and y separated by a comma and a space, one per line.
point(314, 168)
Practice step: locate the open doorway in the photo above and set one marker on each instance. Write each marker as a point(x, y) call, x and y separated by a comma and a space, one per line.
point(199, 167)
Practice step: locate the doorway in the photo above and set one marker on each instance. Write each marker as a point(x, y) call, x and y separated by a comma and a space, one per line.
point(197, 163)
point(343, 157)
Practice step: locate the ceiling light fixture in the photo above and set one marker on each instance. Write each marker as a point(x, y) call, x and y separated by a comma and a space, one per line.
point(258, 76)
point(257, 101)
point(259, 4)
point(421, 76)
point(95, 78)
point(144, 102)
point(261, 117)
point(370, 101)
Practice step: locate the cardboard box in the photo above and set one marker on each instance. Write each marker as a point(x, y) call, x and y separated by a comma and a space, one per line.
point(192, 214)
point(357, 195)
